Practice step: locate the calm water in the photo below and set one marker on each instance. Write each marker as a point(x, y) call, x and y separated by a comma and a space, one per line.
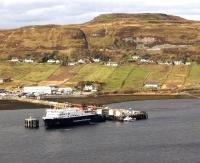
point(171, 134)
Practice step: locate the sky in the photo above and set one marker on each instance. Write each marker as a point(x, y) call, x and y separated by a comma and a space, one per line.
point(17, 13)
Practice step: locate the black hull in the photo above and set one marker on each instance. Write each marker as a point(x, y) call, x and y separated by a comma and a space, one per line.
point(66, 122)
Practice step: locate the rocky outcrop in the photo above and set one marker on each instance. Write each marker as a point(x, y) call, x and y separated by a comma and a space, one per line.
point(41, 39)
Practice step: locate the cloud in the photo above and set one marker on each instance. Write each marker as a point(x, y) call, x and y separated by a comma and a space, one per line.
point(16, 13)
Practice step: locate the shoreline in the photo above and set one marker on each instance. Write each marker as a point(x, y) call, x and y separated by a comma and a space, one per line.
point(95, 100)
point(17, 105)
point(108, 99)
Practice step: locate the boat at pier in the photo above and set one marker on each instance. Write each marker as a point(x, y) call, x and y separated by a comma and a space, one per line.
point(68, 116)
point(128, 119)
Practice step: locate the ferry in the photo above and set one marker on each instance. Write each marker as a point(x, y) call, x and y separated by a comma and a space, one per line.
point(68, 116)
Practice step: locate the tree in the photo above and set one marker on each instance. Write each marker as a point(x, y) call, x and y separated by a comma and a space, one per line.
point(198, 60)
point(146, 56)
point(50, 55)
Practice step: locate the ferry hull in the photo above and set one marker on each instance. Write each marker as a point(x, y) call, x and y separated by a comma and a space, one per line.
point(65, 122)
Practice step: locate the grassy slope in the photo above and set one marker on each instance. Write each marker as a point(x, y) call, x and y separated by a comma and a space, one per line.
point(65, 72)
point(117, 79)
point(93, 72)
point(27, 72)
point(121, 78)
point(177, 76)
point(136, 78)
point(193, 80)
point(158, 73)
point(194, 75)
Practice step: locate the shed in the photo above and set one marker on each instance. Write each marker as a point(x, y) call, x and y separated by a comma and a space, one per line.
point(96, 60)
point(4, 80)
point(14, 59)
point(152, 84)
point(90, 87)
point(28, 60)
point(67, 90)
point(38, 89)
point(113, 64)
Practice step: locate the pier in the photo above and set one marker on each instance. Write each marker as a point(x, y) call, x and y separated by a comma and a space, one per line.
point(36, 101)
point(121, 114)
point(31, 123)
point(104, 112)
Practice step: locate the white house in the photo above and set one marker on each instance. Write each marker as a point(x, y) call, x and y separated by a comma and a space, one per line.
point(113, 64)
point(81, 61)
point(57, 61)
point(188, 63)
point(38, 89)
point(90, 88)
point(4, 80)
point(164, 63)
point(146, 61)
point(14, 59)
point(96, 60)
point(67, 90)
point(152, 84)
point(51, 61)
point(71, 63)
point(161, 62)
point(178, 63)
point(135, 57)
point(26, 60)
point(1, 81)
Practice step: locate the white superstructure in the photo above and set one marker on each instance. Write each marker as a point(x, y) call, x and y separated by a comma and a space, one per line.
point(38, 89)
point(69, 112)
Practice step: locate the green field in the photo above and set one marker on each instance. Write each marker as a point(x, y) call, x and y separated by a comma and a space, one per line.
point(117, 79)
point(194, 75)
point(158, 73)
point(127, 77)
point(92, 72)
point(27, 72)
point(136, 78)
point(178, 73)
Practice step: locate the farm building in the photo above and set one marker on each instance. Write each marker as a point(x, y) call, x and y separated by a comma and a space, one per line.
point(71, 63)
point(4, 80)
point(188, 63)
point(178, 63)
point(146, 61)
point(14, 59)
point(81, 61)
point(52, 61)
point(113, 64)
point(135, 57)
point(90, 88)
point(38, 89)
point(67, 90)
point(96, 60)
point(28, 60)
point(152, 84)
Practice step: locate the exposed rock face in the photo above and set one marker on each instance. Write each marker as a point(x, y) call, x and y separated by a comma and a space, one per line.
point(116, 32)
point(41, 39)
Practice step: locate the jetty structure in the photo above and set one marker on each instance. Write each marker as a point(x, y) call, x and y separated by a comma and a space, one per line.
point(71, 116)
point(121, 114)
point(93, 113)
point(31, 122)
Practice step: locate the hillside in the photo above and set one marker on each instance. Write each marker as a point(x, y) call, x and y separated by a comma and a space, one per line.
point(136, 17)
point(124, 78)
point(114, 35)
